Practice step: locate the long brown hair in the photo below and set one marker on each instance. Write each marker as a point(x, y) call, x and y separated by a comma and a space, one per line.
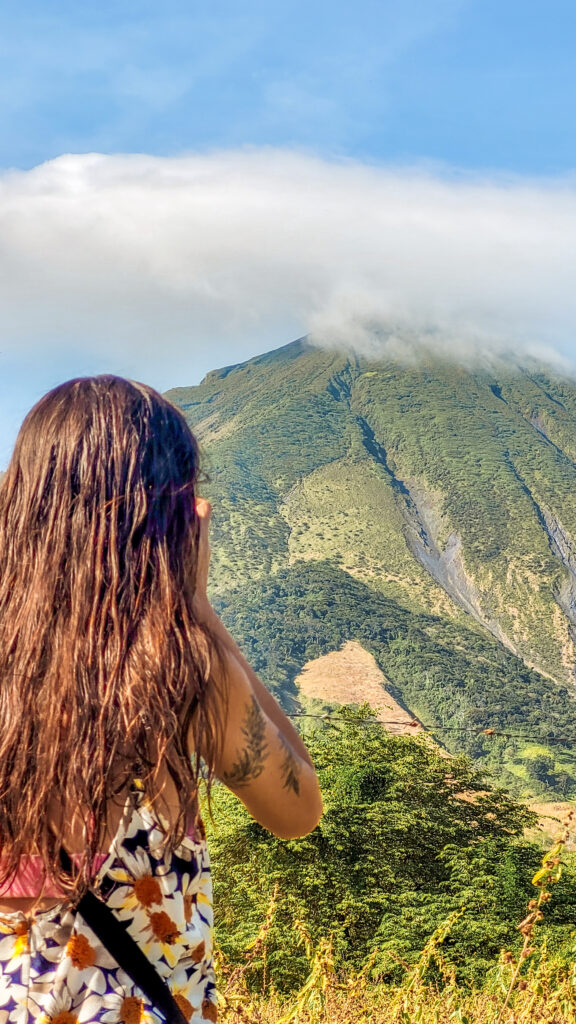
point(103, 665)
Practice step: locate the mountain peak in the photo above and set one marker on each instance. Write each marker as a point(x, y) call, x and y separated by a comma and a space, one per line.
point(440, 495)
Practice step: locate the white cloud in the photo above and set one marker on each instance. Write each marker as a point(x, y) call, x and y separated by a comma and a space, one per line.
point(156, 262)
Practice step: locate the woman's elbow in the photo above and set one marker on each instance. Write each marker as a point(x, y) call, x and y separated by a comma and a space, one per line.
point(304, 821)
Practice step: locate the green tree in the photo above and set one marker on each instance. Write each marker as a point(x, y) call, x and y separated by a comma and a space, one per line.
point(408, 835)
point(541, 767)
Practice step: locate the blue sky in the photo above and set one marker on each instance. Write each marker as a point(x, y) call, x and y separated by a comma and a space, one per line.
point(280, 118)
point(480, 84)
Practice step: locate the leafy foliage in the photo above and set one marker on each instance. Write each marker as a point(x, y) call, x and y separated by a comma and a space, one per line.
point(408, 837)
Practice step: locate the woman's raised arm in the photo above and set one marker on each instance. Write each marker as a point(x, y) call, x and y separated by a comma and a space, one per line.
point(263, 759)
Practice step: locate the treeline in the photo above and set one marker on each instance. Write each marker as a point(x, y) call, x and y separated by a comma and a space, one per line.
point(407, 839)
point(450, 676)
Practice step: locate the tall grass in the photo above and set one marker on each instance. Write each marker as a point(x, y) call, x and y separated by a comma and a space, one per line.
point(530, 988)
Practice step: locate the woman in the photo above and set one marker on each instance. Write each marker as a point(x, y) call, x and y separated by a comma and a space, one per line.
point(119, 688)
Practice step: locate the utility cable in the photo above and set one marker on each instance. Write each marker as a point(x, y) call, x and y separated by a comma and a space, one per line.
point(417, 724)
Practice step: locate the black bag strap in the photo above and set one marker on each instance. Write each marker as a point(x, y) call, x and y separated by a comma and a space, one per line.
point(128, 955)
point(126, 952)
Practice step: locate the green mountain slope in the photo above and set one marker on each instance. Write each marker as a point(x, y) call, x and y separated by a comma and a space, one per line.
point(438, 500)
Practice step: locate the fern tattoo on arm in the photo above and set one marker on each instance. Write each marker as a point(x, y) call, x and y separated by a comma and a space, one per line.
point(290, 767)
point(250, 763)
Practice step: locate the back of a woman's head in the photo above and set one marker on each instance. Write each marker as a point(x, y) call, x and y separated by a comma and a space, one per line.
point(101, 658)
point(100, 490)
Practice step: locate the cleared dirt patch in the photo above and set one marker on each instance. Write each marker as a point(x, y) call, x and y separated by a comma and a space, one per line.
point(351, 676)
point(551, 814)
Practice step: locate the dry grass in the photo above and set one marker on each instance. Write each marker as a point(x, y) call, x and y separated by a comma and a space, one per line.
point(551, 814)
point(351, 676)
point(541, 997)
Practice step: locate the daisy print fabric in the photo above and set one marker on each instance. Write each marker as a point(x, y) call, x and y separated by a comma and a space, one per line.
point(53, 969)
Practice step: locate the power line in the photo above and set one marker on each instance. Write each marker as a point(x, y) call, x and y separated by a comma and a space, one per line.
point(417, 724)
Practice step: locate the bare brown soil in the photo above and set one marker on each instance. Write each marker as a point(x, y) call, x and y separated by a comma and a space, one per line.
point(551, 814)
point(351, 676)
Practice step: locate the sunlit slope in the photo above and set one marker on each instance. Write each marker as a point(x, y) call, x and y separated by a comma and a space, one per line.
point(457, 681)
point(422, 512)
point(488, 495)
point(450, 491)
point(264, 425)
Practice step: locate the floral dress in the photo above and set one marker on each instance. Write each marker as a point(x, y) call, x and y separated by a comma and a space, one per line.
point(54, 970)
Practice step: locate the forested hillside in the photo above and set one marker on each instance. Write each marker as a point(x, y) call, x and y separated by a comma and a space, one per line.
point(424, 511)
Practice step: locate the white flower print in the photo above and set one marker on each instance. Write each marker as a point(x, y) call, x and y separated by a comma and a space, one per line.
point(40, 994)
point(184, 890)
point(54, 970)
point(119, 1008)
point(186, 993)
point(15, 998)
point(195, 891)
point(82, 962)
point(163, 937)
point(58, 1008)
point(141, 889)
point(143, 820)
point(15, 944)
